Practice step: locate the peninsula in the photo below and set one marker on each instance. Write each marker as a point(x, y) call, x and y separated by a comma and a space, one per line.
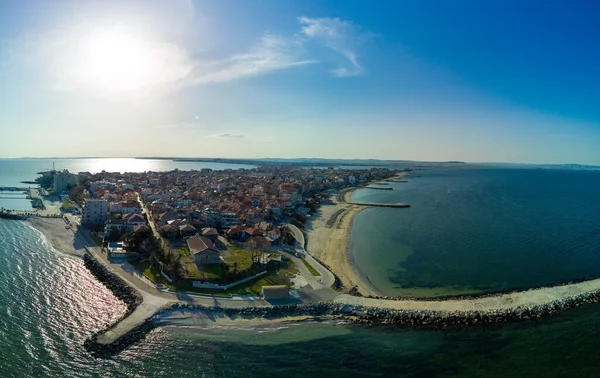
point(217, 240)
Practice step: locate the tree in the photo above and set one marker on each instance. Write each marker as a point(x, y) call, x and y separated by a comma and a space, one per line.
point(114, 234)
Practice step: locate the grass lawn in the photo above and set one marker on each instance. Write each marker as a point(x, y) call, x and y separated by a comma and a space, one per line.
point(312, 270)
point(242, 257)
point(153, 274)
point(253, 287)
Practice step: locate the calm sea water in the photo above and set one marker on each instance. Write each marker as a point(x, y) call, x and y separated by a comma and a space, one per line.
point(485, 230)
point(49, 304)
point(13, 171)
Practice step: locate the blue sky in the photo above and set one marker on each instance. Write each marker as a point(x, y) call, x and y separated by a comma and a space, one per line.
point(509, 81)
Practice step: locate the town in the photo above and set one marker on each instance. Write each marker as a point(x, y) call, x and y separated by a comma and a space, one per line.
point(230, 231)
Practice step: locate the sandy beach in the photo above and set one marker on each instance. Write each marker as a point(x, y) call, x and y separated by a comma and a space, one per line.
point(57, 235)
point(328, 237)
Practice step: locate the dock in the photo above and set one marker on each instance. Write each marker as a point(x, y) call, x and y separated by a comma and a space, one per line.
point(400, 205)
point(376, 188)
point(13, 189)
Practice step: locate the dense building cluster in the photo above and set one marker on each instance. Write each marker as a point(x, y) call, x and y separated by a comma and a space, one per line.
point(240, 203)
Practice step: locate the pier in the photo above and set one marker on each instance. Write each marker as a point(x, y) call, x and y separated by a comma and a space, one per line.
point(12, 189)
point(377, 188)
point(401, 205)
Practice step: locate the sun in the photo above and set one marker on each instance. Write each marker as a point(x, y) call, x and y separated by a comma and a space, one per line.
point(116, 60)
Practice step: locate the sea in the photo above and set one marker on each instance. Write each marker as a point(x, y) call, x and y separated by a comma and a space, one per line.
point(14, 171)
point(475, 231)
point(50, 304)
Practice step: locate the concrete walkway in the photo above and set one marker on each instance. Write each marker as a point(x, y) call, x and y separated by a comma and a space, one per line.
point(530, 298)
point(326, 278)
point(153, 299)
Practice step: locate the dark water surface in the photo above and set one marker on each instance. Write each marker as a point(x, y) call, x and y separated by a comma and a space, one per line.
point(50, 304)
point(484, 230)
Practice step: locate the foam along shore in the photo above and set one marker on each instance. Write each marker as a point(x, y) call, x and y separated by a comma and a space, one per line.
point(57, 235)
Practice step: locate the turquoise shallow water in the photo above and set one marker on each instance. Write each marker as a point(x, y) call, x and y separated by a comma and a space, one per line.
point(49, 304)
point(475, 231)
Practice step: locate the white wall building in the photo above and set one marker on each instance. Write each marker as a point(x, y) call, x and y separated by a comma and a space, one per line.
point(63, 181)
point(95, 211)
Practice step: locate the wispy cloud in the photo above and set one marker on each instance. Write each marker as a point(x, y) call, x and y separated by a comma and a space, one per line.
point(272, 54)
point(227, 135)
point(343, 37)
point(62, 59)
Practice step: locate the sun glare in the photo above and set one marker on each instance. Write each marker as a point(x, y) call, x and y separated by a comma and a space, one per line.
point(117, 61)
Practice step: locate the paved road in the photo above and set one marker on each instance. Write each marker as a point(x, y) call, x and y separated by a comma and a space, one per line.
point(154, 298)
point(326, 279)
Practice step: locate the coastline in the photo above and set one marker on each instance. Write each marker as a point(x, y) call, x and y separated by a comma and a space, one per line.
point(57, 236)
point(328, 240)
point(156, 306)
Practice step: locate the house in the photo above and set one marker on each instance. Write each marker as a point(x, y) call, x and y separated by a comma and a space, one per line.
point(273, 234)
point(131, 207)
point(211, 233)
point(203, 250)
point(253, 217)
point(157, 207)
point(142, 229)
point(236, 233)
point(116, 224)
point(187, 230)
point(169, 231)
point(264, 226)
point(252, 232)
point(229, 219)
point(277, 292)
point(134, 219)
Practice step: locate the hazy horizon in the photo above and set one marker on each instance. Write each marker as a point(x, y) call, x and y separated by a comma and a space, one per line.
point(469, 81)
point(294, 158)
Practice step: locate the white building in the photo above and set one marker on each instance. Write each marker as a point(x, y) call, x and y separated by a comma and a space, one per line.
point(229, 219)
point(95, 211)
point(131, 207)
point(102, 184)
point(115, 207)
point(63, 181)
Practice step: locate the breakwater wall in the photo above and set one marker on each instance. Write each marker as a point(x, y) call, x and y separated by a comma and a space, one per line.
point(8, 216)
point(361, 315)
point(119, 288)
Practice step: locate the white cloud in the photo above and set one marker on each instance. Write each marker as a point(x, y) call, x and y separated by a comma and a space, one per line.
point(272, 54)
point(81, 58)
point(343, 37)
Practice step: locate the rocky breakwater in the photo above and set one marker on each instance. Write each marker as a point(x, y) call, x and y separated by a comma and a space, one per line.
point(119, 288)
point(355, 314)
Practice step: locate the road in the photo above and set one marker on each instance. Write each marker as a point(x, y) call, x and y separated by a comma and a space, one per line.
point(326, 278)
point(153, 297)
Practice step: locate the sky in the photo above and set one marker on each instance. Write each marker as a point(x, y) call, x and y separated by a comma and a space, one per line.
point(476, 81)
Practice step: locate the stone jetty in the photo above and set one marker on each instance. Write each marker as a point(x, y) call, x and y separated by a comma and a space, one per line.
point(342, 310)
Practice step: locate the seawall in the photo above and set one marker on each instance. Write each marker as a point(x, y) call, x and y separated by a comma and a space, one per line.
point(119, 288)
point(359, 314)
